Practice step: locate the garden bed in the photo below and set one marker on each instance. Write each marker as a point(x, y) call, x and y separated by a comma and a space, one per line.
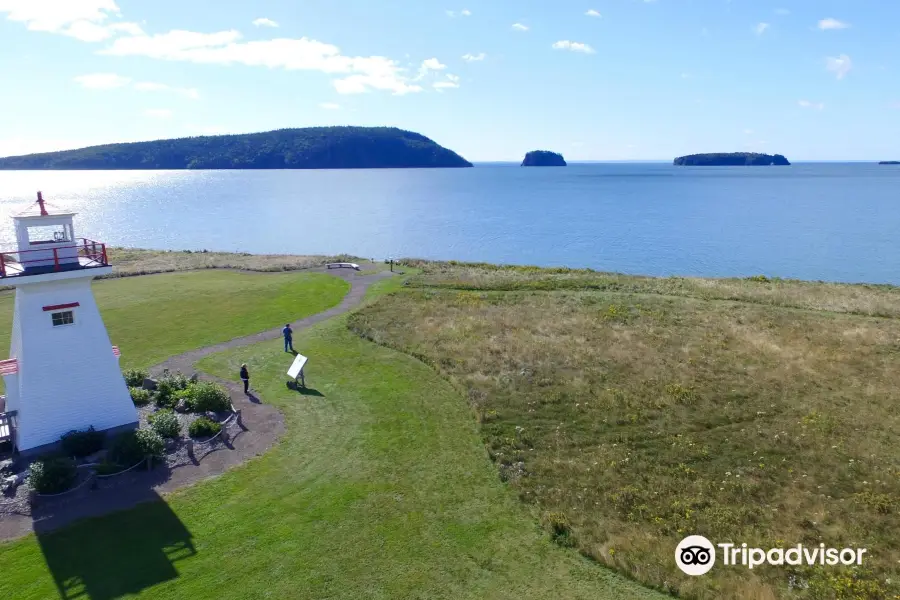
point(88, 459)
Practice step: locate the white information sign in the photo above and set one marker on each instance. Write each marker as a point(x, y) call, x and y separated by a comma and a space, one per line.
point(297, 366)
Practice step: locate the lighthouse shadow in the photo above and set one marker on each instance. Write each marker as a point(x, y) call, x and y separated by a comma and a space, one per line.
point(116, 555)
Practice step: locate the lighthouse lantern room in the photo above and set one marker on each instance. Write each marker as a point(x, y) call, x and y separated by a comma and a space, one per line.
point(63, 373)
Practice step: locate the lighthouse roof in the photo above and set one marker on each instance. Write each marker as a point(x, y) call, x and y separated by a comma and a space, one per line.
point(42, 208)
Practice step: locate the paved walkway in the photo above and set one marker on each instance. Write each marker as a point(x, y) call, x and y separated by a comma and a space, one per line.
point(264, 425)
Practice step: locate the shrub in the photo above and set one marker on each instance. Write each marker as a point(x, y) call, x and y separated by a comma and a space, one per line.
point(203, 427)
point(132, 446)
point(150, 442)
point(167, 388)
point(109, 468)
point(82, 443)
point(140, 396)
point(560, 529)
point(209, 396)
point(165, 423)
point(135, 377)
point(52, 475)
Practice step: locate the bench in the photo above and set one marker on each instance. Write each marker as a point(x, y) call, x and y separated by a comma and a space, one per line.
point(343, 266)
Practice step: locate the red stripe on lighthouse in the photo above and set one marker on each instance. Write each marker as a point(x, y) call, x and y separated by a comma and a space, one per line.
point(61, 306)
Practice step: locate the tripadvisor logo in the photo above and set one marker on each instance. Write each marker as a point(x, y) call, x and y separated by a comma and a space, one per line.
point(696, 555)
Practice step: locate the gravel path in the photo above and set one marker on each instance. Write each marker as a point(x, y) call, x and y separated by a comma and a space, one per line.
point(263, 425)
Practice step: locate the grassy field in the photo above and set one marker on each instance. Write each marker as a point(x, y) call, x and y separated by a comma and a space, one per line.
point(634, 411)
point(151, 318)
point(380, 488)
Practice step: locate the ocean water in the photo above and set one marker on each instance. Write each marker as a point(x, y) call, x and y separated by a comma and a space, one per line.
point(822, 221)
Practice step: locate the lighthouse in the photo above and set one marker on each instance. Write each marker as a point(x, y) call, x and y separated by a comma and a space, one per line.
point(63, 373)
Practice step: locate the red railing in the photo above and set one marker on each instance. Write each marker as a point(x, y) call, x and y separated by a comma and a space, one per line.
point(86, 254)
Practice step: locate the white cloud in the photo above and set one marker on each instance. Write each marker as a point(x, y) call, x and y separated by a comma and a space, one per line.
point(782, 11)
point(474, 57)
point(761, 28)
point(840, 65)
point(129, 28)
point(102, 81)
point(829, 23)
point(158, 113)
point(573, 46)
point(812, 105)
point(466, 12)
point(593, 13)
point(520, 27)
point(748, 131)
point(85, 20)
point(433, 64)
point(361, 74)
point(330, 106)
point(109, 81)
point(463, 13)
point(452, 82)
point(450, 13)
point(264, 22)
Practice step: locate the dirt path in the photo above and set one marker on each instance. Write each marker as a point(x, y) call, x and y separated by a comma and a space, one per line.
point(263, 425)
point(359, 284)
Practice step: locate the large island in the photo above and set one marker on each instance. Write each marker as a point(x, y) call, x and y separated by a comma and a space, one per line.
point(731, 159)
point(543, 158)
point(307, 148)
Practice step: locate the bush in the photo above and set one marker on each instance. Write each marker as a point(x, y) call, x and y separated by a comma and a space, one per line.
point(165, 423)
point(203, 427)
point(167, 387)
point(52, 475)
point(560, 529)
point(140, 396)
point(133, 446)
point(209, 396)
point(109, 468)
point(82, 443)
point(135, 377)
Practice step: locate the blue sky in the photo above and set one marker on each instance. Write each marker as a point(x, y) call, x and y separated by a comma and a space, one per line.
point(593, 79)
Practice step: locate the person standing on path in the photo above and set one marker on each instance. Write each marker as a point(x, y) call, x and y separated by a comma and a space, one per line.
point(288, 334)
point(245, 377)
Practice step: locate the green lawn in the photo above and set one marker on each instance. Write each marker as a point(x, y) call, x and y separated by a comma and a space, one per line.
point(154, 317)
point(380, 488)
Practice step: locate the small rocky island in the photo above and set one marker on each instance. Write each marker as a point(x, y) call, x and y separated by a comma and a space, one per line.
point(543, 158)
point(304, 148)
point(731, 159)
point(890, 162)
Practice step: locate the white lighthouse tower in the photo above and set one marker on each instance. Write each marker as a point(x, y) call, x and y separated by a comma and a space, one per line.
point(63, 373)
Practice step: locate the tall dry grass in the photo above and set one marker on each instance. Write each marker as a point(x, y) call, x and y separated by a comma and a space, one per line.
point(134, 261)
point(637, 418)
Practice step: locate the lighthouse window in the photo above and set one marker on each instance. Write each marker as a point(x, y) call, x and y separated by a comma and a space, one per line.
point(49, 234)
point(62, 318)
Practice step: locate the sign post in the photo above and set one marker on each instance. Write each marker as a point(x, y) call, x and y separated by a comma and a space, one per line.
point(296, 370)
